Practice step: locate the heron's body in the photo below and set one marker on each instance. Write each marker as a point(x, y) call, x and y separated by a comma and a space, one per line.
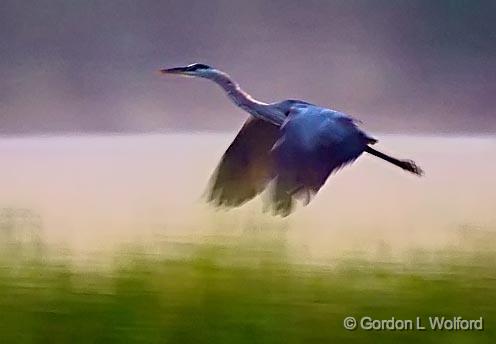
point(293, 144)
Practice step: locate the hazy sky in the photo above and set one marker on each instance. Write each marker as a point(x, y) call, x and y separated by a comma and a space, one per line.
point(400, 66)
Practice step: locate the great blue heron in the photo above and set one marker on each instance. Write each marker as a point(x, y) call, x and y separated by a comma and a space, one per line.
point(295, 144)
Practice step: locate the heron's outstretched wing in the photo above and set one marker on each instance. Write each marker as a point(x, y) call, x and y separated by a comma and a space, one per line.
point(314, 143)
point(246, 167)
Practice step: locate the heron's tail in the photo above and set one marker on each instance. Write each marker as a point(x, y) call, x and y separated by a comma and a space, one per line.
point(407, 165)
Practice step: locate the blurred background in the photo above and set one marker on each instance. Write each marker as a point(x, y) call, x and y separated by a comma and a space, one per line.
point(105, 236)
point(90, 66)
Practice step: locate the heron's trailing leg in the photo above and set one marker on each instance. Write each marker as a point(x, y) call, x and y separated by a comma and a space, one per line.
point(407, 165)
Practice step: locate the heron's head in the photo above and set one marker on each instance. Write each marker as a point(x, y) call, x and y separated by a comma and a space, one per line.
point(195, 70)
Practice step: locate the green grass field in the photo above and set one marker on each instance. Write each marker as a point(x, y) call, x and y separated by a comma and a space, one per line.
point(237, 290)
point(119, 247)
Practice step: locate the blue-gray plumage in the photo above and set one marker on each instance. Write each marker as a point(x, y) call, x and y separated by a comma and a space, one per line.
point(293, 144)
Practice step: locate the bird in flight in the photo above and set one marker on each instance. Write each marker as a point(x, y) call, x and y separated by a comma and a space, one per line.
point(292, 145)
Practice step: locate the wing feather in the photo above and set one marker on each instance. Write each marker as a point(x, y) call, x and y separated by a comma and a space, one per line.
point(314, 143)
point(246, 167)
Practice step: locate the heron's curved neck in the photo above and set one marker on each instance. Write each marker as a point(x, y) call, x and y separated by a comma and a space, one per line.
point(245, 101)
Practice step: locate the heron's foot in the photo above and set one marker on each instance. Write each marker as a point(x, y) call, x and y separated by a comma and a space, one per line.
point(411, 166)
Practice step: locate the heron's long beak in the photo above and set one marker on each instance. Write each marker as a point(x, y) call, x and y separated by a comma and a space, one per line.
point(177, 70)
